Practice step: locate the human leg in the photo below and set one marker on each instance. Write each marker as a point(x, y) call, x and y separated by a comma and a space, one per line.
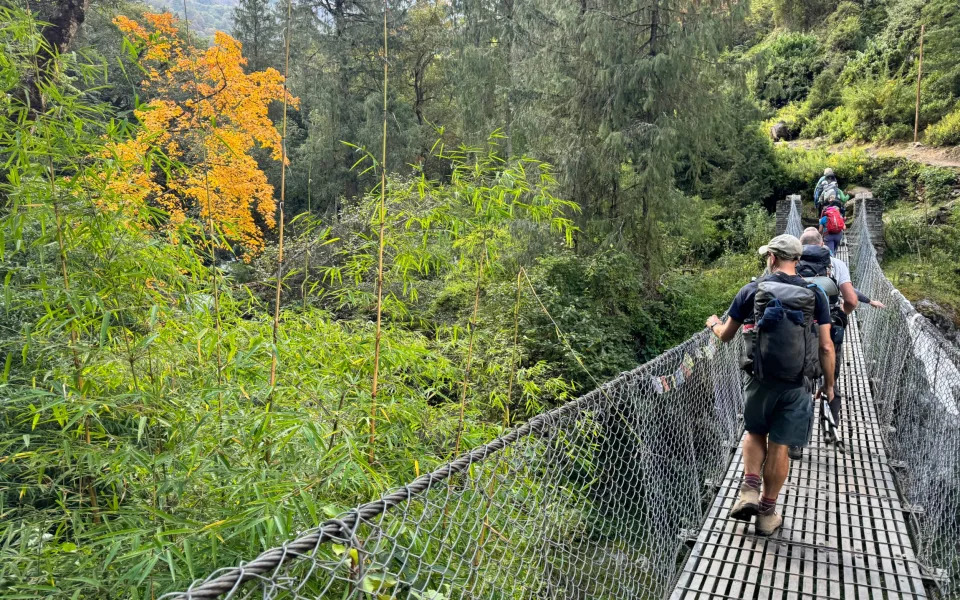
point(830, 243)
point(754, 452)
point(775, 471)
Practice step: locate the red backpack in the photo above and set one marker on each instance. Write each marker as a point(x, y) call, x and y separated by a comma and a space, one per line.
point(835, 222)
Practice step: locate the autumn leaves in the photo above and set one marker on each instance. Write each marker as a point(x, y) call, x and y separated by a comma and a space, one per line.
point(192, 156)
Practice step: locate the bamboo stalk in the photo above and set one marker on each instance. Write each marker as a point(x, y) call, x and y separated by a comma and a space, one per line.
point(211, 245)
point(515, 356)
point(85, 480)
point(916, 116)
point(382, 216)
point(469, 362)
point(283, 193)
point(306, 255)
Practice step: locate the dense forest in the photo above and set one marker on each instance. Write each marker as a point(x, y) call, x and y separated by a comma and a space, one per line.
point(254, 277)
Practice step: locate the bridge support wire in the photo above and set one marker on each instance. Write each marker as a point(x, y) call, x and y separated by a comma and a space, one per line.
point(914, 373)
point(597, 499)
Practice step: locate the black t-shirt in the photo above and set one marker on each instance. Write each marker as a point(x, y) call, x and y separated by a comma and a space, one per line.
point(741, 309)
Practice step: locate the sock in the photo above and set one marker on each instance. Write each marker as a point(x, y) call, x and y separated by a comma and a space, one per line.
point(752, 480)
point(767, 504)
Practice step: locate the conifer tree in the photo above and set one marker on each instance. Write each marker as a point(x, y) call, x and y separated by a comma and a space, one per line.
point(255, 26)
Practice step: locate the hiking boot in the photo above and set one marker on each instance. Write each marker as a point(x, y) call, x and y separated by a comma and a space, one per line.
point(768, 523)
point(748, 504)
point(795, 452)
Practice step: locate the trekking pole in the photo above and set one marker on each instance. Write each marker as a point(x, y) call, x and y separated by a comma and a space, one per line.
point(826, 415)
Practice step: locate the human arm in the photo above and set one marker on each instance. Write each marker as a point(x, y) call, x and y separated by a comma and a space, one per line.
point(827, 361)
point(849, 295)
point(843, 197)
point(740, 310)
point(821, 314)
point(724, 330)
point(864, 299)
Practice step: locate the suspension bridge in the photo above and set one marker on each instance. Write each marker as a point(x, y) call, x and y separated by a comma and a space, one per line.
point(623, 492)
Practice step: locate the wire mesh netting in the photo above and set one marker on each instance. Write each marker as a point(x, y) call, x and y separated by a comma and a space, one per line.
point(915, 376)
point(584, 501)
point(595, 499)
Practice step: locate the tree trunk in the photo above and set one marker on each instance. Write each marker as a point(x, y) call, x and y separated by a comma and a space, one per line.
point(654, 26)
point(63, 20)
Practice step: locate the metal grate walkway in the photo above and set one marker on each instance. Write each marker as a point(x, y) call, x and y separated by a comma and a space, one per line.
point(844, 534)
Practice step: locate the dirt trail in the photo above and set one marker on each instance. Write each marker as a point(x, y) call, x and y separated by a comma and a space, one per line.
point(937, 157)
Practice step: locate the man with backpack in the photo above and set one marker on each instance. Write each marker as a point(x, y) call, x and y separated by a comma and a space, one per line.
point(828, 187)
point(825, 183)
point(786, 324)
point(818, 267)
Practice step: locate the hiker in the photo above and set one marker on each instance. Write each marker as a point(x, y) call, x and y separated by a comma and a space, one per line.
point(786, 324)
point(828, 187)
point(832, 226)
point(818, 267)
point(827, 181)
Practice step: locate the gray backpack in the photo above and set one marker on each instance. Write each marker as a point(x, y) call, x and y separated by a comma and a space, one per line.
point(816, 268)
point(783, 344)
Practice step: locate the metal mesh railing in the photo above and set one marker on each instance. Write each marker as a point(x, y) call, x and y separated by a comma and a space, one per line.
point(589, 500)
point(794, 224)
point(915, 376)
point(595, 499)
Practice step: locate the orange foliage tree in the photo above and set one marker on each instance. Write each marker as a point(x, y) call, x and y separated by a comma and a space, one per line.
point(206, 115)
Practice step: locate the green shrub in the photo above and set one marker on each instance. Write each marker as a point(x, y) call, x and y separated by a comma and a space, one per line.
point(836, 125)
point(905, 181)
point(801, 15)
point(784, 67)
point(886, 134)
point(790, 115)
point(824, 95)
point(893, 184)
point(936, 184)
point(844, 28)
point(945, 132)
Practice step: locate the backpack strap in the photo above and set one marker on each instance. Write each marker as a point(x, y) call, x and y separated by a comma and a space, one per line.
point(815, 287)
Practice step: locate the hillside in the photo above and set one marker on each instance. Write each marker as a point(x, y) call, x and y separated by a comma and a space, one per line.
point(848, 70)
point(206, 16)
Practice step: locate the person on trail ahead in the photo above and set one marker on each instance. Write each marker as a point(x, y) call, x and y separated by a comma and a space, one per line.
point(827, 186)
point(786, 324)
point(832, 225)
point(832, 276)
point(829, 180)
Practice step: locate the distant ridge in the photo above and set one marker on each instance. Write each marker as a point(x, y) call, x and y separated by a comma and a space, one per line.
point(206, 16)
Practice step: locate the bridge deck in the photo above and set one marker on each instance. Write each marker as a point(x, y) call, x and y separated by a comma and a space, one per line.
point(844, 534)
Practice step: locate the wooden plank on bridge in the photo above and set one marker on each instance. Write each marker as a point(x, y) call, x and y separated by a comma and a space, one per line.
point(845, 533)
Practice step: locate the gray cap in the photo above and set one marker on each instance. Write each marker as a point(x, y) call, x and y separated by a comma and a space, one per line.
point(828, 172)
point(783, 246)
